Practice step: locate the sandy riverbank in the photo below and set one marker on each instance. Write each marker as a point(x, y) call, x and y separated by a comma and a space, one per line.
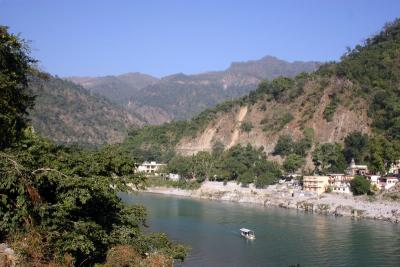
point(278, 195)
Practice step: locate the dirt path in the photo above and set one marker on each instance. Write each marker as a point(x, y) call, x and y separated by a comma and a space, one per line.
point(235, 135)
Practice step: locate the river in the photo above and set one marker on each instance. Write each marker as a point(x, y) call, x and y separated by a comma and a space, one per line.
point(283, 237)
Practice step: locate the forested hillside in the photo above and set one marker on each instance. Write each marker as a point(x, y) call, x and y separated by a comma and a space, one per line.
point(309, 116)
point(181, 96)
point(67, 113)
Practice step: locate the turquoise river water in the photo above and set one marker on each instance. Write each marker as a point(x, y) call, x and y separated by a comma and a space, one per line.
point(283, 237)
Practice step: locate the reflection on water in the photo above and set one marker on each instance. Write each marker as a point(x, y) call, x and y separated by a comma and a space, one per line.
point(283, 237)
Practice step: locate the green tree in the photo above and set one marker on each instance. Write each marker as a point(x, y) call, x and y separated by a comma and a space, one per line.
point(202, 165)
point(15, 100)
point(382, 153)
point(293, 162)
point(181, 165)
point(356, 146)
point(284, 145)
point(247, 165)
point(329, 157)
point(360, 185)
point(218, 148)
point(330, 109)
point(266, 179)
point(246, 126)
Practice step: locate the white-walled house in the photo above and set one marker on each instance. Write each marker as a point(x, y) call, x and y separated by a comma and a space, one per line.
point(339, 182)
point(343, 188)
point(151, 167)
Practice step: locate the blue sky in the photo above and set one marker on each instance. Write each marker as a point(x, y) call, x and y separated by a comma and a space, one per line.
point(95, 37)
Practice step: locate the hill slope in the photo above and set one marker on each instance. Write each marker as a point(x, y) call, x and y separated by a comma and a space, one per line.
point(119, 89)
point(67, 113)
point(182, 96)
point(359, 93)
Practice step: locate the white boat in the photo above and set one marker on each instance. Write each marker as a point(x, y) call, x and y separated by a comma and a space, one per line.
point(247, 233)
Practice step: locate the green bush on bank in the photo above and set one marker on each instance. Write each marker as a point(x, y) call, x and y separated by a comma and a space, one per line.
point(181, 184)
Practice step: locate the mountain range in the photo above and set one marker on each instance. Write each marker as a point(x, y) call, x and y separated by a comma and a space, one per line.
point(182, 96)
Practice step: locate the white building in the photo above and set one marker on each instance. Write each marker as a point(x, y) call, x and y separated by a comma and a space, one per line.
point(151, 167)
point(374, 179)
point(174, 176)
point(341, 188)
point(388, 182)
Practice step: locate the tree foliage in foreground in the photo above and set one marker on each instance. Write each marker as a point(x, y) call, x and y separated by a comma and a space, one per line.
point(68, 196)
point(15, 100)
point(59, 205)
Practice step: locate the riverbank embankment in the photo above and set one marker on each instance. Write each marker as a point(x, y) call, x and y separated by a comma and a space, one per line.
point(279, 196)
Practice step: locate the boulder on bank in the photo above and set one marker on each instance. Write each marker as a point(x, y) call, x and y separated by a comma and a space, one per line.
point(8, 258)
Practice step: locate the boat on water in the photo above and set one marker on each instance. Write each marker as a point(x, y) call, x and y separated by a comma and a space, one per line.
point(247, 233)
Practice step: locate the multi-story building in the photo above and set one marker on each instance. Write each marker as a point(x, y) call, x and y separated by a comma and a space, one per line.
point(315, 183)
point(340, 183)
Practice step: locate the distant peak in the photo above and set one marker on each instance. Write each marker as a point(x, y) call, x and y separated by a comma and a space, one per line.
point(176, 76)
point(136, 74)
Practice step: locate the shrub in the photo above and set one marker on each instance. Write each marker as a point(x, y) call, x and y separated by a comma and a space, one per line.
point(360, 185)
point(246, 126)
point(123, 256)
point(284, 145)
point(293, 162)
point(331, 107)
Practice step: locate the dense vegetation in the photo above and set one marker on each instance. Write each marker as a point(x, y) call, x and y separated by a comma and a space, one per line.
point(375, 151)
point(244, 165)
point(59, 205)
point(375, 68)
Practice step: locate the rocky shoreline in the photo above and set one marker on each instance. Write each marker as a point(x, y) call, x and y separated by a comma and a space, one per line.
point(278, 196)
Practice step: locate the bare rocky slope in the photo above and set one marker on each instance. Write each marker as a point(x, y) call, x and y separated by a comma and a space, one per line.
point(265, 117)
